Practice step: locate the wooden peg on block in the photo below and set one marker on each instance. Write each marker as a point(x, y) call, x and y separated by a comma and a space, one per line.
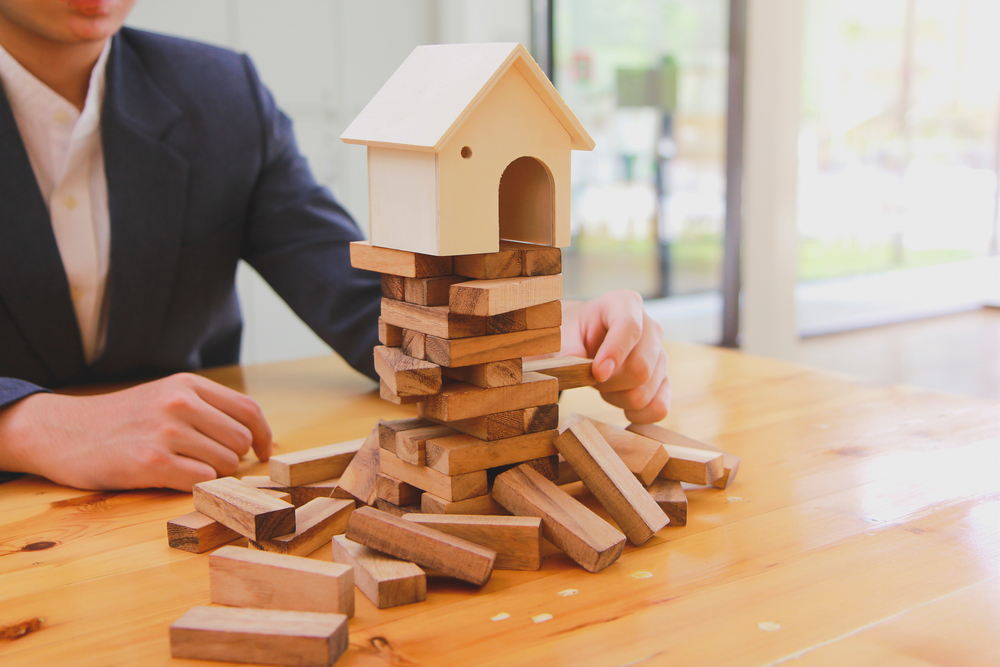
point(437, 321)
point(388, 430)
point(313, 465)
point(411, 444)
point(404, 375)
point(396, 491)
point(452, 556)
point(315, 523)
point(516, 539)
point(387, 394)
point(249, 578)
point(431, 504)
point(670, 496)
point(506, 263)
point(459, 453)
point(248, 511)
point(492, 297)
point(571, 372)
point(544, 315)
point(566, 522)
point(458, 400)
point(541, 418)
point(414, 344)
point(643, 456)
point(536, 260)
point(492, 374)
point(429, 291)
point(392, 287)
point(449, 487)
point(358, 480)
point(198, 533)
point(389, 334)
point(481, 349)
point(396, 510)
point(495, 426)
point(398, 262)
point(385, 580)
point(323, 489)
point(730, 461)
point(264, 636)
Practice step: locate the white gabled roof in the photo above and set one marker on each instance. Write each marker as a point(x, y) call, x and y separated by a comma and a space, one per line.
point(437, 86)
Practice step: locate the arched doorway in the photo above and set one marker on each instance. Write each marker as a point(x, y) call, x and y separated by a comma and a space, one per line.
point(527, 202)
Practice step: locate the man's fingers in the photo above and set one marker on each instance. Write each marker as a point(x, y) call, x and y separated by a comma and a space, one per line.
point(656, 409)
point(240, 407)
point(182, 473)
point(621, 317)
point(644, 363)
point(198, 447)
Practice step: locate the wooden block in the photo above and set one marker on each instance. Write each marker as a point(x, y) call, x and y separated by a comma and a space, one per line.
point(492, 374)
point(385, 580)
point(263, 636)
point(613, 484)
point(449, 487)
point(452, 556)
point(516, 539)
point(429, 291)
point(315, 523)
point(643, 456)
point(395, 510)
point(541, 418)
point(509, 322)
point(536, 260)
point(437, 321)
point(571, 372)
point(566, 522)
point(566, 473)
point(695, 466)
point(670, 496)
point(392, 287)
point(411, 444)
point(431, 504)
point(506, 263)
point(248, 511)
point(404, 375)
point(358, 480)
point(262, 482)
point(492, 297)
point(198, 533)
point(492, 427)
point(388, 334)
point(387, 431)
point(481, 349)
point(730, 462)
point(546, 466)
point(247, 578)
point(387, 394)
point(398, 262)
point(544, 315)
point(313, 465)
point(323, 489)
point(280, 495)
point(458, 400)
point(396, 491)
point(460, 453)
point(414, 344)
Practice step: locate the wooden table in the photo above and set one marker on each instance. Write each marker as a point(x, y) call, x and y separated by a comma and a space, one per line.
point(863, 529)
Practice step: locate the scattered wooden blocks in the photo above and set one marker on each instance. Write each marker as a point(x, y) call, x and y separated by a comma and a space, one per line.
point(395, 491)
point(452, 556)
point(267, 636)
point(460, 453)
point(385, 580)
point(491, 374)
point(449, 487)
point(571, 372)
point(670, 496)
point(437, 321)
point(643, 456)
point(457, 400)
point(358, 480)
point(516, 539)
point(506, 263)
point(431, 504)
point(491, 297)
point(429, 291)
point(248, 511)
point(482, 349)
point(730, 461)
point(398, 262)
point(404, 375)
point(313, 465)
point(198, 533)
point(315, 523)
point(389, 335)
point(248, 578)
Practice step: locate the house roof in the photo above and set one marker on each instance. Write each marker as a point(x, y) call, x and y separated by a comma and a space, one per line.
point(438, 86)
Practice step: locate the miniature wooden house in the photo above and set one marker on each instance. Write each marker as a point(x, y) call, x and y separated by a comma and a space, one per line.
point(468, 144)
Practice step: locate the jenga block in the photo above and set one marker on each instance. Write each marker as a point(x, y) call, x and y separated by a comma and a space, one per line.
point(458, 400)
point(481, 349)
point(546, 466)
point(398, 262)
point(387, 431)
point(516, 539)
point(388, 334)
point(248, 511)
point(431, 504)
point(198, 533)
point(503, 264)
point(411, 444)
point(392, 287)
point(571, 372)
point(492, 427)
point(313, 465)
point(695, 466)
point(537, 260)
point(263, 636)
point(492, 374)
point(643, 456)
point(387, 394)
point(280, 495)
point(385, 580)
point(315, 523)
point(491, 297)
point(670, 496)
point(248, 578)
point(452, 556)
point(429, 291)
point(614, 485)
point(404, 375)
point(566, 473)
point(437, 321)
point(509, 322)
point(541, 418)
point(323, 489)
point(414, 344)
point(450, 487)
point(396, 491)
point(544, 315)
point(395, 510)
point(358, 480)
point(730, 461)
point(460, 453)
point(566, 522)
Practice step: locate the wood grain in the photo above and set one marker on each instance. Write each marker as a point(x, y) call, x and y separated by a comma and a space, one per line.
point(411, 444)
point(730, 461)
point(458, 400)
point(541, 418)
point(492, 297)
point(505, 263)
point(405, 375)
point(358, 479)
point(431, 504)
point(389, 334)
point(429, 291)
point(392, 287)
point(491, 374)
point(414, 344)
point(313, 465)
point(536, 260)
point(516, 539)
point(439, 321)
point(572, 372)
point(249, 511)
point(459, 453)
point(670, 496)
point(315, 523)
point(396, 491)
point(198, 533)
point(388, 430)
point(449, 487)
point(643, 456)
point(398, 262)
point(493, 426)
point(482, 349)
point(385, 580)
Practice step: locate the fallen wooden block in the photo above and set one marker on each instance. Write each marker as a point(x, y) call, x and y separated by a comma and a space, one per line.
point(585, 537)
point(516, 539)
point(730, 462)
point(388, 430)
point(358, 480)
point(198, 533)
point(449, 487)
point(431, 504)
point(643, 456)
point(451, 556)
point(404, 375)
point(263, 636)
point(315, 523)
point(457, 400)
point(437, 321)
point(411, 443)
point(396, 491)
point(544, 315)
point(398, 262)
point(670, 496)
point(387, 394)
point(571, 372)
point(414, 344)
point(313, 465)
point(695, 466)
point(495, 426)
point(306, 492)
point(459, 453)
point(395, 510)
point(491, 297)
point(506, 263)
point(247, 578)
point(614, 485)
point(482, 349)
point(385, 580)
point(429, 291)
point(491, 374)
point(392, 287)
point(536, 260)
point(541, 418)
point(248, 511)
point(388, 334)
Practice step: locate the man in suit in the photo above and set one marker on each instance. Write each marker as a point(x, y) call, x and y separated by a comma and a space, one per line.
point(137, 170)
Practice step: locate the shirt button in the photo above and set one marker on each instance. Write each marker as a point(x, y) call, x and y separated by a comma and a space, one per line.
point(69, 201)
point(62, 117)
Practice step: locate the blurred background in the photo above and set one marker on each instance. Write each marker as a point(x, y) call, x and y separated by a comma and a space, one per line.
point(835, 162)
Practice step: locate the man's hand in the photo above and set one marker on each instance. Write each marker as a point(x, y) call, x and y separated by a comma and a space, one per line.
point(626, 345)
point(171, 433)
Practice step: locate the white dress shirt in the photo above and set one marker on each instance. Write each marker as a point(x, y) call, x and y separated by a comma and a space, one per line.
point(64, 146)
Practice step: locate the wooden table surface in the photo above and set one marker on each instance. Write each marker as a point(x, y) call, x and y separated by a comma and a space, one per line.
point(863, 528)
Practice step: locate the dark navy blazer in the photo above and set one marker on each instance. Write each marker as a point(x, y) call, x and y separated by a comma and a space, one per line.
point(202, 170)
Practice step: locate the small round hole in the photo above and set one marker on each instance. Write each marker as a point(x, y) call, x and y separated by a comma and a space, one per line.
point(466, 152)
